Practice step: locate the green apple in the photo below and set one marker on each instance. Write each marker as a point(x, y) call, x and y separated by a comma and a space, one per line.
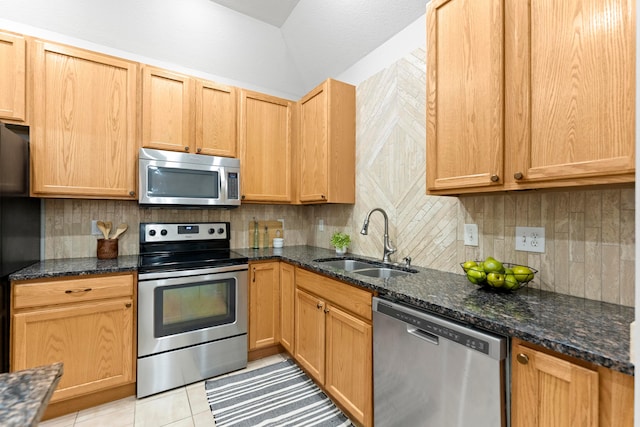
point(495, 279)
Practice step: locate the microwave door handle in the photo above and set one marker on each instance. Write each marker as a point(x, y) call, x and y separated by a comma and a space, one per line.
point(222, 185)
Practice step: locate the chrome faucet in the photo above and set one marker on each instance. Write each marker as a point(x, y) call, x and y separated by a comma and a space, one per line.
point(388, 248)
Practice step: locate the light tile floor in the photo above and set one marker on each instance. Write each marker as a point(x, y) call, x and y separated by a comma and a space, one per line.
point(182, 407)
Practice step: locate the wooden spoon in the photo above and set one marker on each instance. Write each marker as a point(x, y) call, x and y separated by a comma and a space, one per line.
point(108, 225)
point(103, 228)
point(121, 229)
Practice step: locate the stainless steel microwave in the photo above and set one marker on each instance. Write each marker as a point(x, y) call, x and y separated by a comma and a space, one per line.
point(187, 180)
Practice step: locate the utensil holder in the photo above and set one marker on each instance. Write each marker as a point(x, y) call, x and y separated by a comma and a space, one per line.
point(107, 248)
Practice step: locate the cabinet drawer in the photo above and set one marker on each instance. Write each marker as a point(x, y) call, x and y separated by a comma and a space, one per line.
point(50, 292)
point(355, 300)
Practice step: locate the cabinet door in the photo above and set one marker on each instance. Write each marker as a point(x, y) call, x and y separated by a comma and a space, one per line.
point(571, 91)
point(265, 147)
point(13, 77)
point(549, 391)
point(83, 135)
point(313, 152)
point(216, 107)
point(310, 334)
point(166, 110)
point(465, 70)
point(93, 340)
point(287, 306)
point(349, 363)
point(264, 304)
point(327, 144)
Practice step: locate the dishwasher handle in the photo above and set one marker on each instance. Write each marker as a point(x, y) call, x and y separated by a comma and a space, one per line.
point(423, 335)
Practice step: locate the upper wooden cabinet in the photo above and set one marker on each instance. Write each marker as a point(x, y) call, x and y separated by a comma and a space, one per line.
point(83, 134)
point(529, 94)
point(180, 113)
point(327, 149)
point(13, 77)
point(465, 64)
point(265, 147)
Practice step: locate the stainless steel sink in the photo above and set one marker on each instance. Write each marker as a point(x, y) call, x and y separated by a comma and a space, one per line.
point(345, 264)
point(381, 272)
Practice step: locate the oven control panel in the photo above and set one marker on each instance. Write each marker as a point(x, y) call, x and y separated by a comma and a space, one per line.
point(178, 232)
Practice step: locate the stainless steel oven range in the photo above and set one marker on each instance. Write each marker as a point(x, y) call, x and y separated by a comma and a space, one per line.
point(192, 305)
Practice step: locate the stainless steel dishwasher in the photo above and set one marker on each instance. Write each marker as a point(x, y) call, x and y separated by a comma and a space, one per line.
point(432, 372)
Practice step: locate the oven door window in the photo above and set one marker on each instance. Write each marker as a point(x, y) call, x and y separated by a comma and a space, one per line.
point(194, 306)
point(192, 183)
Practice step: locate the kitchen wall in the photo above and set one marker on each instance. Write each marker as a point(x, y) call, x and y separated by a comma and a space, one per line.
point(68, 223)
point(590, 234)
point(590, 237)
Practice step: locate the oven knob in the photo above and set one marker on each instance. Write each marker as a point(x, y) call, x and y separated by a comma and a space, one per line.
point(211, 231)
point(152, 232)
point(220, 230)
point(163, 232)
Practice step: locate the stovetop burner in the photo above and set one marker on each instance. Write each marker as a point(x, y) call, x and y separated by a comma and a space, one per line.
point(180, 246)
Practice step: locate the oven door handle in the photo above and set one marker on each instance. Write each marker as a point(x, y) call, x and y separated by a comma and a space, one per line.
point(196, 272)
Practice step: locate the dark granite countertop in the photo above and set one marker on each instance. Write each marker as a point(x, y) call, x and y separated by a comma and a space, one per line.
point(76, 267)
point(24, 395)
point(591, 330)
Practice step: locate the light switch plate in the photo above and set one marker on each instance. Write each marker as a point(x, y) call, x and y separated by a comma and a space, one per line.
point(471, 234)
point(530, 239)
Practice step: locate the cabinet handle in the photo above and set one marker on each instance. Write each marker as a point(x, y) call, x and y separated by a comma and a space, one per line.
point(319, 305)
point(518, 175)
point(254, 275)
point(76, 291)
point(186, 148)
point(128, 305)
point(323, 196)
point(243, 196)
point(326, 310)
point(522, 358)
point(132, 193)
point(495, 178)
point(198, 150)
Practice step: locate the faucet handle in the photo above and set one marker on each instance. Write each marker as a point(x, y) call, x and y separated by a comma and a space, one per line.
point(407, 261)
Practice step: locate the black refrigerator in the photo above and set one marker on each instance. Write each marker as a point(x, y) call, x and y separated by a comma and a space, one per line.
point(20, 229)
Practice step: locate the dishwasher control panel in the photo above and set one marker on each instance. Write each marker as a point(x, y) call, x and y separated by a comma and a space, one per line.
point(439, 327)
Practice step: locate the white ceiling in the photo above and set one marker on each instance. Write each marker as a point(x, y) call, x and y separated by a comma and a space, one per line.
point(325, 37)
point(273, 12)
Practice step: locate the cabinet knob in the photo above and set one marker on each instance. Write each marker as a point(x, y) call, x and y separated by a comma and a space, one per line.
point(243, 196)
point(132, 193)
point(319, 305)
point(518, 175)
point(128, 305)
point(323, 196)
point(522, 358)
point(495, 178)
point(326, 310)
point(198, 150)
point(186, 148)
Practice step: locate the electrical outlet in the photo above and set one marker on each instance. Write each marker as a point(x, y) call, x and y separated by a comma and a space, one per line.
point(281, 220)
point(530, 239)
point(321, 225)
point(471, 234)
point(95, 231)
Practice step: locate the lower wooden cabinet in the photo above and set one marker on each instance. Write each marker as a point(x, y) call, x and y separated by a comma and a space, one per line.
point(264, 304)
point(549, 390)
point(86, 323)
point(333, 340)
point(287, 304)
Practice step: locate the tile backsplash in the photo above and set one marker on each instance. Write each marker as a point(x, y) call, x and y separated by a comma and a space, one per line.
point(590, 234)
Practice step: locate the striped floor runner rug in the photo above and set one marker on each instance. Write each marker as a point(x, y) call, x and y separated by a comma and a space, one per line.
point(277, 395)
